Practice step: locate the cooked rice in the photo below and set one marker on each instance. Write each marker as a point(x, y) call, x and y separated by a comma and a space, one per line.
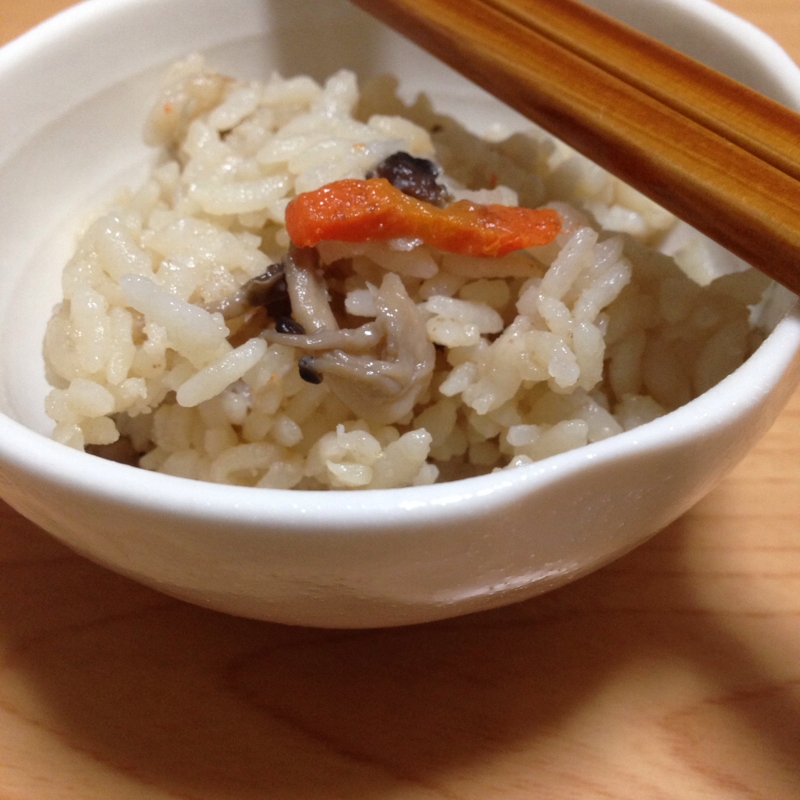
point(620, 320)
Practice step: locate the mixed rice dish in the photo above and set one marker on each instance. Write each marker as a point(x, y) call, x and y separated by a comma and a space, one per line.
point(324, 287)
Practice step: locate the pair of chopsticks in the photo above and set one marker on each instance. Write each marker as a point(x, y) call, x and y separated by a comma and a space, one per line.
point(712, 151)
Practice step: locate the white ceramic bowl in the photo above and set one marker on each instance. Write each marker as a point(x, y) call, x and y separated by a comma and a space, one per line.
point(74, 93)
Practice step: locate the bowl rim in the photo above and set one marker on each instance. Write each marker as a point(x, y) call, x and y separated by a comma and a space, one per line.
point(33, 454)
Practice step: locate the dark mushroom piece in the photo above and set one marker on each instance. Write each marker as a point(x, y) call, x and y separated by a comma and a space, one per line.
point(258, 291)
point(263, 297)
point(307, 372)
point(413, 176)
point(288, 325)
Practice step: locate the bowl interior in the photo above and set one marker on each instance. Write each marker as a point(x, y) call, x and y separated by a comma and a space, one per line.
point(76, 136)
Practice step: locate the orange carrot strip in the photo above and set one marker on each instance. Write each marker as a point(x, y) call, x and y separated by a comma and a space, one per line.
point(373, 210)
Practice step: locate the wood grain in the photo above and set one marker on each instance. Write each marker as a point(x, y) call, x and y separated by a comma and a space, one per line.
point(672, 673)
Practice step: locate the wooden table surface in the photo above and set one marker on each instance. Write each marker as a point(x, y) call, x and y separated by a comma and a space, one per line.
point(672, 673)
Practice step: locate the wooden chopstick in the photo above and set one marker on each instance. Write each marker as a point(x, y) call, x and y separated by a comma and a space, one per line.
point(736, 112)
point(734, 196)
